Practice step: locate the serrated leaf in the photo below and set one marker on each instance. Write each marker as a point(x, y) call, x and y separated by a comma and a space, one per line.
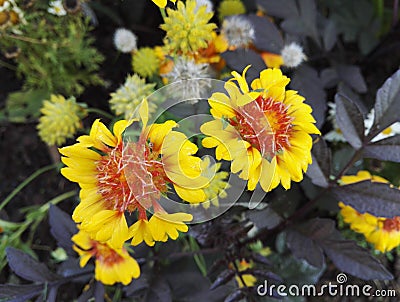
point(267, 35)
point(387, 104)
point(320, 169)
point(62, 228)
point(350, 120)
point(352, 76)
point(352, 259)
point(19, 293)
point(378, 199)
point(387, 149)
point(224, 277)
point(28, 268)
point(307, 82)
point(240, 58)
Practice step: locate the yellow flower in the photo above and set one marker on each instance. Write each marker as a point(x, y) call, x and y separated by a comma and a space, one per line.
point(128, 97)
point(140, 232)
point(272, 60)
point(383, 233)
point(118, 177)
point(248, 279)
point(162, 3)
point(111, 265)
point(163, 225)
point(187, 28)
point(265, 131)
point(60, 119)
point(231, 7)
point(145, 62)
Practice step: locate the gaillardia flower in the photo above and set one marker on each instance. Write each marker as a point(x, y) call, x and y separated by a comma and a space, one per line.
point(120, 177)
point(265, 131)
point(187, 28)
point(60, 119)
point(383, 233)
point(111, 265)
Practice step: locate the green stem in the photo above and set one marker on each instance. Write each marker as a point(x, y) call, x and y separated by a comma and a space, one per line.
point(6, 65)
point(26, 182)
point(101, 112)
point(163, 14)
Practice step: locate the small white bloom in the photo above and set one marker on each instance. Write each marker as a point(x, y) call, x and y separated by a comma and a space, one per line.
point(125, 40)
point(238, 31)
point(388, 132)
point(293, 55)
point(336, 134)
point(188, 69)
point(207, 3)
point(56, 8)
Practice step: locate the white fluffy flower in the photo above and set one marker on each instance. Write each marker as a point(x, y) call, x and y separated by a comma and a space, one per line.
point(125, 40)
point(207, 3)
point(188, 69)
point(293, 55)
point(388, 132)
point(238, 31)
point(56, 8)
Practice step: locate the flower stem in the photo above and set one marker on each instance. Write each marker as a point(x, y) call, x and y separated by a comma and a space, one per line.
point(101, 112)
point(26, 182)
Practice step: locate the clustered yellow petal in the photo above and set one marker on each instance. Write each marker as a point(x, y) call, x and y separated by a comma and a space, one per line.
point(231, 7)
point(60, 119)
point(187, 29)
point(264, 130)
point(383, 233)
point(145, 62)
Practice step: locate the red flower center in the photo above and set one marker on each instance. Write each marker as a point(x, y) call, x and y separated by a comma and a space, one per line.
point(131, 176)
point(265, 124)
point(105, 254)
point(392, 224)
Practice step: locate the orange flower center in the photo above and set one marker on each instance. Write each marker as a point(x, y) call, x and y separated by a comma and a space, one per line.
point(265, 124)
point(105, 254)
point(392, 224)
point(131, 178)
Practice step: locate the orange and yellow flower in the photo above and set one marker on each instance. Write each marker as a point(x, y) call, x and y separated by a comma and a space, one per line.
point(111, 265)
point(383, 233)
point(120, 177)
point(265, 131)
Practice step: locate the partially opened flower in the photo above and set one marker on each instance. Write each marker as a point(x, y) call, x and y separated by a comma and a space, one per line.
point(383, 233)
point(118, 177)
point(265, 131)
point(112, 265)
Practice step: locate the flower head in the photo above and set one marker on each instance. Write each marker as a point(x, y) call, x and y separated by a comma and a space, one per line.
point(293, 55)
point(383, 233)
point(56, 8)
point(119, 176)
point(111, 264)
point(238, 32)
point(11, 16)
point(231, 7)
point(265, 131)
point(335, 135)
point(60, 119)
point(187, 28)
point(129, 96)
point(163, 225)
point(145, 62)
point(125, 40)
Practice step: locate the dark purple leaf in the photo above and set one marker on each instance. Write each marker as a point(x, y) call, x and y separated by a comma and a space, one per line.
point(28, 268)
point(352, 76)
point(267, 35)
point(224, 277)
point(19, 293)
point(352, 259)
point(385, 149)
point(99, 292)
point(329, 35)
point(240, 58)
point(307, 82)
point(378, 199)
point(264, 274)
point(261, 259)
point(387, 105)
point(346, 90)
point(350, 120)
point(235, 296)
point(266, 218)
point(159, 291)
point(320, 169)
point(62, 228)
point(281, 9)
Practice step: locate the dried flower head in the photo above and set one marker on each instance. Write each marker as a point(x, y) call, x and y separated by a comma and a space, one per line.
point(293, 55)
point(125, 40)
point(238, 32)
point(128, 97)
point(60, 119)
